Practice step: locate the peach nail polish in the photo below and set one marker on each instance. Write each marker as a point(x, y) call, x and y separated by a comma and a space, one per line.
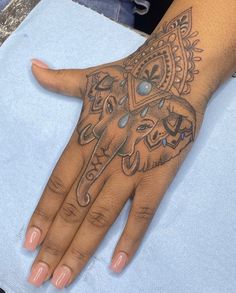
point(32, 238)
point(119, 262)
point(38, 274)
point(61, 277)
point(39, 63)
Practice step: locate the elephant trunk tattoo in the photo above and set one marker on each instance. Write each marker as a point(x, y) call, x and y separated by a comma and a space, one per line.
point(104, 152)
point(137, 110)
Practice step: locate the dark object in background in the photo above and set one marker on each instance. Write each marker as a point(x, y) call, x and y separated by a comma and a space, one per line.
point(149, 21)
point(1, 291)
point(19, 9)
point(13, 15)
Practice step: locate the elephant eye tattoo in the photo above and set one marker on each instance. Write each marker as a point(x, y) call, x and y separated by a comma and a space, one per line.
point(144, 126)
point(139, 110)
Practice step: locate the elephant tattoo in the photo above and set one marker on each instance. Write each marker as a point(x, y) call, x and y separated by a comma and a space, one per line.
point(137, 110)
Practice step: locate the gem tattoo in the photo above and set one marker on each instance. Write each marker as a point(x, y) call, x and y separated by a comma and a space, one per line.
point(137, 110)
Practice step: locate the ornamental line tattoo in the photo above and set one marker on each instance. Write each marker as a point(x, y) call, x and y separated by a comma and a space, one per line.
point(137, 110)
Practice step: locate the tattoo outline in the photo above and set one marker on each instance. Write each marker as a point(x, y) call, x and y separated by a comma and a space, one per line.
point(140, 108)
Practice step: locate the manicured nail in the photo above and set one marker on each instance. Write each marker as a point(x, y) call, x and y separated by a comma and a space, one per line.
point(39, 63)
point(38, 274)
point(32, 238)
point(119, 262)
point(61, 277)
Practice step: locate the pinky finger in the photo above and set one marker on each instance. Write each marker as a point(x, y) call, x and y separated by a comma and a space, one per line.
point(143, 208)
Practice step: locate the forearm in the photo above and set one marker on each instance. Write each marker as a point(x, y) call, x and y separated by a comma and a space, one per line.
point(211, 29)
point(216, 24)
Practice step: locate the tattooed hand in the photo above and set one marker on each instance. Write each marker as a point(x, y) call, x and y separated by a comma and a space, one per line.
point(136, 124)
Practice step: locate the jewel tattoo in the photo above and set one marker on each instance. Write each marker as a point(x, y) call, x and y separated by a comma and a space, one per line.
point(138, 111)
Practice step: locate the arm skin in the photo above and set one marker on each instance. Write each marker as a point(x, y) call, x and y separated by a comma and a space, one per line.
point(216, 25)
point(140, 117)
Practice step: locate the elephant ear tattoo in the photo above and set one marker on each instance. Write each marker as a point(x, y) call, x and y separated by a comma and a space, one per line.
point(138, 110)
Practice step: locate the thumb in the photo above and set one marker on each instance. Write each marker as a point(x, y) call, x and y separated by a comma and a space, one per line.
point(69, 82)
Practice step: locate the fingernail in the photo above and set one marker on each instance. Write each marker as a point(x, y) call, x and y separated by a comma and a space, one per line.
point(61, 277)
point(119, 262)
point(38, 274)
point(39, 63)
point(32, 238)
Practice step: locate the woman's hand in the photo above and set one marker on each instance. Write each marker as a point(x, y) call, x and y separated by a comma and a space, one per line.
point(137, 122)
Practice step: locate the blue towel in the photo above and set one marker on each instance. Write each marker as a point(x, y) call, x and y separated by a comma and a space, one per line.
point(190, 246)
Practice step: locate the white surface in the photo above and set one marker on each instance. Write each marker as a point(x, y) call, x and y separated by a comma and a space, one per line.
point(190, 246)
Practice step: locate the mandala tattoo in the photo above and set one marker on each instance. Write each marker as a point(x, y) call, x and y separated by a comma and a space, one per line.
point(138, 110)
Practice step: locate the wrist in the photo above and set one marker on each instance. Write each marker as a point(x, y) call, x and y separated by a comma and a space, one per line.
point(198, 65)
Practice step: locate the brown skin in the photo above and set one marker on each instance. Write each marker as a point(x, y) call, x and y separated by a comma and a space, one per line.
point(58, 209)
point(71, 233)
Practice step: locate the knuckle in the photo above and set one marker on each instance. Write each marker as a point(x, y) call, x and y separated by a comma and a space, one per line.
point(60, 73)
point(79, 255)
point(70, 212)
point(132, 240)
point(144, 213)
point(42, 215)
point(56, 185)
point(52, 248)
point(99, 217)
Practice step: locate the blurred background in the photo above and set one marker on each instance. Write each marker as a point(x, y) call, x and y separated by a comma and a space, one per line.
point(143, 15)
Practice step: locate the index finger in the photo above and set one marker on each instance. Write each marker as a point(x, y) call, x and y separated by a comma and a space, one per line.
point(64, 174)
